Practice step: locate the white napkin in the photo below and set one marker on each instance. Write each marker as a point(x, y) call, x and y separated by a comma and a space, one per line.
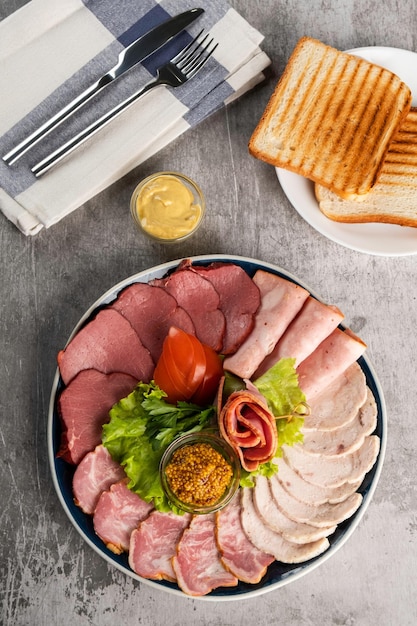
point(51, 51)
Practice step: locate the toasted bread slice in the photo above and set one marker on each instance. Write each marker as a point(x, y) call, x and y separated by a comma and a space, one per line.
point(393, 200)
point(331, 118)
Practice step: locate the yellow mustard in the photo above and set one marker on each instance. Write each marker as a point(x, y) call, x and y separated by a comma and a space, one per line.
point(166, 207)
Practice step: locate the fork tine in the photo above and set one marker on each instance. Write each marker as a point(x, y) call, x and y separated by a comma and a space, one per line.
point(183, 53)
point(200, 60)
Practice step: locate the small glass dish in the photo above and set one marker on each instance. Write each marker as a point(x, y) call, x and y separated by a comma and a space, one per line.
point(198, 476)
point(167, 206)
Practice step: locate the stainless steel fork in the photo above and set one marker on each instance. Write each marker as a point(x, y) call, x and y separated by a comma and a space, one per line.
point(176, 72)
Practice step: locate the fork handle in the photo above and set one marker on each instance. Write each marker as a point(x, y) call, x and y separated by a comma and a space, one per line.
point(52, 159)
point(50, 125)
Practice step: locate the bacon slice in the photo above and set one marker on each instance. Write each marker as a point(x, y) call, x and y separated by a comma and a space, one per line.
point(152, 311)
point(95, 474)
point(310, 327)
point(330, 359)
point(117, 514)
point(281, 300)
point(84, 407)
point(197, 564)
point(238, 554)
point(248, 426)
point(154, 543)
point(109, 344)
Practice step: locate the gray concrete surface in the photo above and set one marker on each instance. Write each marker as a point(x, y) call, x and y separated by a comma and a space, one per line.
point(48, 575)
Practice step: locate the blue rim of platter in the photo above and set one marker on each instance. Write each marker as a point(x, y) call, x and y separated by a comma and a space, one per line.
point(278, 574)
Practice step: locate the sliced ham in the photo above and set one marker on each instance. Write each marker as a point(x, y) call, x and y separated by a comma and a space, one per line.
point(322, 516)
point(248, 426)
point(238, 554)
point(117, 514)
point(339, 403)
point(109, 344)
point(199, 298)
point(197, 564)
point(345, 439)
point(239, 300)
point(281, 300)
point(312, 494)
point(152, 311)
point(328, 361)
point(84, 407)
point(311, 326)
point(271, 542)
point(273, 516)
point(154, 543)
point(330, 471)
point(95, 474)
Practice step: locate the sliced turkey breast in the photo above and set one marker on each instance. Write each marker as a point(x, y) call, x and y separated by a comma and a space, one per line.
point(271, 542)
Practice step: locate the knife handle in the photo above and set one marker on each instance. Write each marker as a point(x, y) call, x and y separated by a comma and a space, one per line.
point(44, 130)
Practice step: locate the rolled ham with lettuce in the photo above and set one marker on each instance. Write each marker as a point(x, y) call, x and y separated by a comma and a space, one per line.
point(249, 427)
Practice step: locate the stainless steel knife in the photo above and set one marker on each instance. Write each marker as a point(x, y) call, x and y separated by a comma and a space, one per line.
point(128, 58)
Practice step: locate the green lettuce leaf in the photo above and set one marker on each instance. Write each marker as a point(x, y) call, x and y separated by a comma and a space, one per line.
point(141, 427)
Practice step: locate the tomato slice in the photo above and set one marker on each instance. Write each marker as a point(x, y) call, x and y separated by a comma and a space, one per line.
point(164, 379)
point(210, 383)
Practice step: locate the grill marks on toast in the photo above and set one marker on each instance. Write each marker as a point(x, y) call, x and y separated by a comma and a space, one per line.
point(331, 118)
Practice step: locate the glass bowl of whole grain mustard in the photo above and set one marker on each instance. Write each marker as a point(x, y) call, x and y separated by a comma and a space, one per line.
point(200, 473)
point(167, 206)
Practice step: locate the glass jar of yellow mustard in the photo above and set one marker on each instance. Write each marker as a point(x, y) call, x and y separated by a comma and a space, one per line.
point(167, 206)
point(200, 473)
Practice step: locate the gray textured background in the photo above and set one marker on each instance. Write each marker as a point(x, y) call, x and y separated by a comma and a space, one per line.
point(48, 575)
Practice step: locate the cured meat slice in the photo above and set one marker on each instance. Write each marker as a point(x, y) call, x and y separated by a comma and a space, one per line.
point(330, 471)
point(281, 300)
point(84, 407)
point(109, 344)
point(199, 298)
point(238, 554)
point(95, 474)
point(239, 300)
point(117, 514)
point(152, 311)
point(312, 494)
point(310, 327)
point(322, 516)
point(248, 426)
point(271, 542)
point(332, 357)
point(274, 517)
point(197, 564)
point(346, 439)
point(339, 402)
point(154, 543)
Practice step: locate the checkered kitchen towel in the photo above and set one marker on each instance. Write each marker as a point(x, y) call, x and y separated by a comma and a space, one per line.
point(51, 50)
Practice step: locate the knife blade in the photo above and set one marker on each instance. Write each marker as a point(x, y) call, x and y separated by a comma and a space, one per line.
point(137, 51)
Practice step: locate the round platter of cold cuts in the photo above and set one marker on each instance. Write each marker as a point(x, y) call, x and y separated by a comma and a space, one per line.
point(297, 400)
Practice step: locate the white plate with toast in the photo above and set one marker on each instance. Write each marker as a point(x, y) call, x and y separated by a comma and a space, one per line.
point(371, 238)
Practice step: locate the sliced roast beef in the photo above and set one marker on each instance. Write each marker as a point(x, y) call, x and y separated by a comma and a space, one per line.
point(84, 407)
point(310, 327)
point(339, 402)
point(95, 474)
point(154, 543)
point(333, 471)
point(274, 517)
point(345, 439)
point(152, 311)
point(312, 494)
point(328, 361)
point(199, 298)
point(117, 514)
point(239, 300)
point(281, 300)
point(238, 554)
point(109, 344)
point(271, 542)
point(197, 564)
point(321, 516)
